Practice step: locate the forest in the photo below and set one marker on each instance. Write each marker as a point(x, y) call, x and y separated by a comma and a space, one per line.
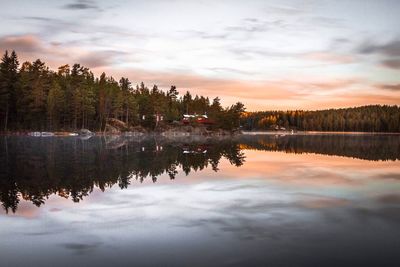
point(33, 97)
point(373, 118)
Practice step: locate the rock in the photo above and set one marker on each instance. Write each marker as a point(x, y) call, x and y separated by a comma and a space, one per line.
point(85, 132)
point(36, 134)
point(118, 124)
point(46, 134)
point(138, 129)
point(111, 129)
point(129, 133)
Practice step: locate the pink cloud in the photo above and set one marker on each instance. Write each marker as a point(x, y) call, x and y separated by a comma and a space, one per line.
point(303, 93)
point(329, 57)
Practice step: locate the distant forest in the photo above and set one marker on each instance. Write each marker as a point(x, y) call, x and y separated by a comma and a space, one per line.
point(374, 118)
point(33, 97)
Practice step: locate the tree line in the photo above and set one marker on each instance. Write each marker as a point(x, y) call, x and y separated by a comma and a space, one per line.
point(33, 97)
point(373, 118)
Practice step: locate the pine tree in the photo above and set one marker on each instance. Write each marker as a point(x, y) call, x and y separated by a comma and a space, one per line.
point(8, 88)
point(55, 105)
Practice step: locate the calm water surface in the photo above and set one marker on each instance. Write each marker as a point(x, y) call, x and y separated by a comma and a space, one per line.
point(320, 200)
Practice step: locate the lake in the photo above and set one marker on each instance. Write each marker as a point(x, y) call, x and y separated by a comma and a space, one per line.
point(253, 200)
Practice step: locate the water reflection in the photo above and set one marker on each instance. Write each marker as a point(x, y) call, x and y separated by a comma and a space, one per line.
point(35, 168)
point(249, 201)
point(361, 146)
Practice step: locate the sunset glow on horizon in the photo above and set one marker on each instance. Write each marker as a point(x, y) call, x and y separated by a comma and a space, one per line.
point(267, 54)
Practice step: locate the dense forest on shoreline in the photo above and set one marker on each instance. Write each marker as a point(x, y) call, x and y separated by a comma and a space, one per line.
point(373, 118)
point(33, 97)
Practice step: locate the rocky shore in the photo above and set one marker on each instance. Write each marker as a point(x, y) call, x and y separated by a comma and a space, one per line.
point(119, 128)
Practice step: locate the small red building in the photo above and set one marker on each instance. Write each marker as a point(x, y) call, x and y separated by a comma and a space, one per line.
point(200, 119)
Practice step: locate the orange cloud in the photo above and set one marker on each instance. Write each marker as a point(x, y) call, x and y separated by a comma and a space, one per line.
point(303, 93)
point(392, 87)
point(329, 57)
point(268, 95)
point(31, 47)
point(24, 43)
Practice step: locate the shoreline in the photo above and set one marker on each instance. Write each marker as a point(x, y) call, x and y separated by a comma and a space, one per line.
point(181, 134)
point(316, 133)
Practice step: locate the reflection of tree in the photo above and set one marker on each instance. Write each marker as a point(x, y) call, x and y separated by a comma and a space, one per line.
point(368, 147)
point(35, 168)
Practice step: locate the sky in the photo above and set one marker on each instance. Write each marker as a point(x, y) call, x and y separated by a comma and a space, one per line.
point(276, 54)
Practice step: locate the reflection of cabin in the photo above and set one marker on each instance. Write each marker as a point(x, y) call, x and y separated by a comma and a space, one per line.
point(279, 128)
point(201, 119)
point(157, 117)
point(199, 149)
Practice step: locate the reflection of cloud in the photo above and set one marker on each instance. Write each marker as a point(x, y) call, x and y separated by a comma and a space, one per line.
point(55, 210)
point(81, 248)
point(382, 213)
point(324, 203)
point(218, 212)
point(82, 5)
point(390, 199)
point(394, 176)
point(311, 170)
point(231, 188)
point(25, 210)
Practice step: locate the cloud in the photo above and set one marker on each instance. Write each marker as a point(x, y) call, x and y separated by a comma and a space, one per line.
point(197, 84)
point(204, 35)
point(31, 47)
point(390, 52)
point(308, 93)
point(391, 87)
point(392, 63)
point(391, 49)
point(252, 25)
point(23, 43)
point(329, 57)
point(99, 58)
point(327, 22)
point(231, 70)
point(332, 84)
point(287, 93)
point(54, 27)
